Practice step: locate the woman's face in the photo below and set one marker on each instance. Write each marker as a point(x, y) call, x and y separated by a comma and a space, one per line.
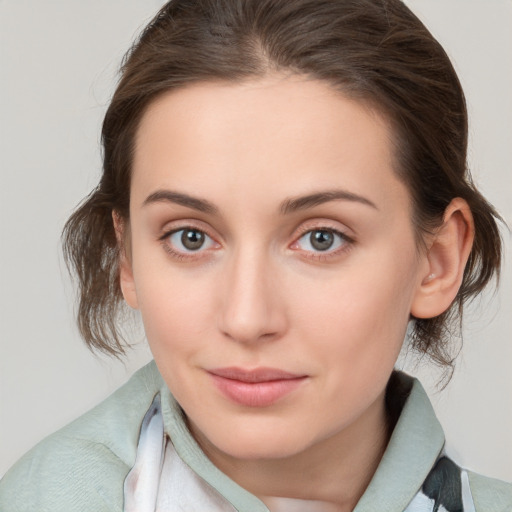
point(273, 260)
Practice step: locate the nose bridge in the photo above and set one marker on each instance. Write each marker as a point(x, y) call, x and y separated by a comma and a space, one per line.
point(250, 307)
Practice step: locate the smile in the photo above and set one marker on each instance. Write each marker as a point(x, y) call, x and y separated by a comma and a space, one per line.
point(260, 387)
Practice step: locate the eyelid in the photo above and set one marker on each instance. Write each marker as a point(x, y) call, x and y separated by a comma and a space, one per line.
point(326, 225)
point(322, 225)
point(340, 234)
point(208, 241)
point(176, 227)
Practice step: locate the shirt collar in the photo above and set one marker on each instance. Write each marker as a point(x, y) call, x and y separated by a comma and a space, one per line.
point(413, 449)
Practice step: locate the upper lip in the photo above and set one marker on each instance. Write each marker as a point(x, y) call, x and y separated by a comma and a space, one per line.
point(262, 374)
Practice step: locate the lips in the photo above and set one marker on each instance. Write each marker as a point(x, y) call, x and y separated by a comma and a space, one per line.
point(258, 387)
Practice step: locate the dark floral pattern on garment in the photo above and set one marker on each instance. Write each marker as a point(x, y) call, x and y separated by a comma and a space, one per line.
point(446, 489)
point(443, 485)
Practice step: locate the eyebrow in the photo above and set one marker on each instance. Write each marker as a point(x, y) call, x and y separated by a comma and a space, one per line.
point(311, 200)
point(169, 196)
point(288, 206)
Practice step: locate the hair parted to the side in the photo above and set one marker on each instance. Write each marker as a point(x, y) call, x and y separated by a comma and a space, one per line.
point(375, 51)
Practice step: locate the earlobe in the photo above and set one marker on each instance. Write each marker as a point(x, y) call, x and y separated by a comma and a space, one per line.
point(126, 280)
point(446, 259)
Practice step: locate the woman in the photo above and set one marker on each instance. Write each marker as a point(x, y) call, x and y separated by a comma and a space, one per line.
point(280, 197)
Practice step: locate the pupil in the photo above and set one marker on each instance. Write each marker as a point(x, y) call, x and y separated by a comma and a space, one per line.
point(321, 240)
point(192, 239)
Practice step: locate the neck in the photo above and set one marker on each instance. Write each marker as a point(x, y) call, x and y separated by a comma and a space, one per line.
point(333, 473)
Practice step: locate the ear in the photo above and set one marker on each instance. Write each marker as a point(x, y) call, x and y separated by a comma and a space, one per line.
point(446, 258)
point(126, 279)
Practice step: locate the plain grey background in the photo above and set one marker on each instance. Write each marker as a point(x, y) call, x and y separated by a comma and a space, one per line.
point(58, 65)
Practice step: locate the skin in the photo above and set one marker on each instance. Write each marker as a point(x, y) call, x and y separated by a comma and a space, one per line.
point(258, 294)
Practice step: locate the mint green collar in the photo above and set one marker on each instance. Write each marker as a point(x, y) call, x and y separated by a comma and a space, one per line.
point(415, 444)
point(413, 449)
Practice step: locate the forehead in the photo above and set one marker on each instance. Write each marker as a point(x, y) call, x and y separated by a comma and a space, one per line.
point(289, 133)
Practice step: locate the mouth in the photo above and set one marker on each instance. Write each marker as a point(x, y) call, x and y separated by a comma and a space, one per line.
point(259, 387)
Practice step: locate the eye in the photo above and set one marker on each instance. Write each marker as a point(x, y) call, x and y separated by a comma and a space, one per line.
point(189, 240)
point(321, 240)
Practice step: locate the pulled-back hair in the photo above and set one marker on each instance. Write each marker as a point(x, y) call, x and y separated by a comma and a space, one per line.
point(373, 51)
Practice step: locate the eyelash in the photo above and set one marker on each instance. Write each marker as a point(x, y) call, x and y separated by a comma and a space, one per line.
point(345, 241)
point(183, 255)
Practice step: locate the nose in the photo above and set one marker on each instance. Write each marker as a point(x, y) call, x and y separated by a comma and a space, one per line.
point(251, 307)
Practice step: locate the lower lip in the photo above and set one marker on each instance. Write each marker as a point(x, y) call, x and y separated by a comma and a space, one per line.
point(256, 394)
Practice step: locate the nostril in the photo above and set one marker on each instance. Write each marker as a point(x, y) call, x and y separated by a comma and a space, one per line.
point(250, 329)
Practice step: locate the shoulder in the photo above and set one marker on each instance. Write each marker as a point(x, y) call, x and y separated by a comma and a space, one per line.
point(83, 465)
point(489, 494)
point(63, 473)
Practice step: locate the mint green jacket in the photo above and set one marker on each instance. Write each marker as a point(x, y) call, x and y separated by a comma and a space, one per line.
point(83, 466)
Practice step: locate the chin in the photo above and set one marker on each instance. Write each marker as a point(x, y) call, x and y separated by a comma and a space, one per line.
point(263, 445)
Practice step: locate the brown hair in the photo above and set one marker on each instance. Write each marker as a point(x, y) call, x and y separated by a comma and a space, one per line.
point(375, 51)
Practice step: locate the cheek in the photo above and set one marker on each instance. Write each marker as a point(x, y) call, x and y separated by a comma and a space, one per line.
point(361, 315)
point(177, 322)
point(177, 313)
point(355, 328)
